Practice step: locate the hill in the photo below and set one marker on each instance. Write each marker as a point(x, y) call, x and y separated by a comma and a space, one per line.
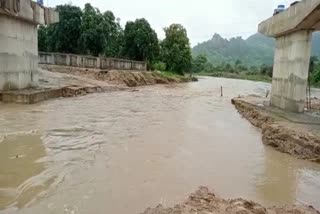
point(256, 50)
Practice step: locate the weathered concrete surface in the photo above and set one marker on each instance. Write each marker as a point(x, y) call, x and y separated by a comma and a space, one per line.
point(32, 96)
point(55, 85)
point(204, 201)
point(293, 30)
point(301, 16)
point(295, 134)
point(18, 54)
point(19, 42)
point(290, 71)
point(84, 61)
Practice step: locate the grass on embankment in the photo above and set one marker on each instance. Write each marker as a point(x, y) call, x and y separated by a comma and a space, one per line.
point(181, 78)
point(253, 77)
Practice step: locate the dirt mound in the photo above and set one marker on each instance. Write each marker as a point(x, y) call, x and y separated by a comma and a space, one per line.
point(129, 78)
point(285, 136)
point(132, 78)
point(205, 202)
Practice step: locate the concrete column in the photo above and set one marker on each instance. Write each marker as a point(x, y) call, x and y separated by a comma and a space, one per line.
point(98, 63)
point(18, 53)
point(68, 60)
point(290, 71)
point(79, 61)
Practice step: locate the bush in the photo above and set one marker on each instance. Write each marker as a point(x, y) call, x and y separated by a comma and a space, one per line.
point(266, 70)
point(251, 73)
point(160, 66)
point(316, 77)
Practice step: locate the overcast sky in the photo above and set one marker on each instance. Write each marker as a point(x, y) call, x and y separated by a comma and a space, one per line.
point(201, 18)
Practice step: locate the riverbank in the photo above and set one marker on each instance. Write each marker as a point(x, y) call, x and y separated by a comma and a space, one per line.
point(241, 75)
point(205, 202)
point(65, 81)
point(122, 77)
point(295, 134)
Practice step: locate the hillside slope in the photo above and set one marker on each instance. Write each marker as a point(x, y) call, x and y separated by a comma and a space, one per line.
point(255, 50)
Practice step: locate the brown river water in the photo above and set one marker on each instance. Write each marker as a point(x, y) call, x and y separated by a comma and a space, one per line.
point(122, 152)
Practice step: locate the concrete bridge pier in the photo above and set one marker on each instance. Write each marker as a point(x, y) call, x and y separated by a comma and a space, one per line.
point(292, 30)
point(19, 42)
point(18, 54)
point(290, 70)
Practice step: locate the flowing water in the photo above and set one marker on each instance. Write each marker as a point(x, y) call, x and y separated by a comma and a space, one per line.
point(122, 152)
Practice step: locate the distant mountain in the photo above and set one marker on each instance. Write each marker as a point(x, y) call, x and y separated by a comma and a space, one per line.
point(256, 50)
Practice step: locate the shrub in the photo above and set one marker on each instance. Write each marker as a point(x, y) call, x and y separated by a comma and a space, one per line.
point(160, 66)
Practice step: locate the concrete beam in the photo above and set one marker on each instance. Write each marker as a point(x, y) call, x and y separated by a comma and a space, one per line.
point(51, 16)
point(301, 16)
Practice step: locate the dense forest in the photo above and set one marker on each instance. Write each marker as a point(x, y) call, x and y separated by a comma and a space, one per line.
point(92, 32)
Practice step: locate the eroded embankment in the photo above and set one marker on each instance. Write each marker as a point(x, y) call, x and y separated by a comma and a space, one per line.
point(285, 136)
point(129, 78)
point(205, 202)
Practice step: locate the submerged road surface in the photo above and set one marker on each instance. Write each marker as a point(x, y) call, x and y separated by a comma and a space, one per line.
point(122, 152)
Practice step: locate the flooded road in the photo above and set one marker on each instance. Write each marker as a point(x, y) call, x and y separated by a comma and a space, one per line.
point(122, 152)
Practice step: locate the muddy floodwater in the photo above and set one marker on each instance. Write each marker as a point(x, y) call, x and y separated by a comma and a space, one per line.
point(122, 152)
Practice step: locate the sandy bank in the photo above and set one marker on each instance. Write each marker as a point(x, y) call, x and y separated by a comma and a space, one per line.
point(64, 81)
point(125, 77)
point(205, 202)
point(295, 134)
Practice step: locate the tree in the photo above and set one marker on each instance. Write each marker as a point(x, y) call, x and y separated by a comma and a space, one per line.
point(92, 40)
point(140, 41)
point(238, 63)
point(113, 35)
point(176, 51)
point(313, 61)
point(266, 70)
point(42, 38)
point(64, 35)
point(229, 68)
point(199, 63)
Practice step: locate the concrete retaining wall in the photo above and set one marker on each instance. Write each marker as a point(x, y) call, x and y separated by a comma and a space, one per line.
point(90, 61)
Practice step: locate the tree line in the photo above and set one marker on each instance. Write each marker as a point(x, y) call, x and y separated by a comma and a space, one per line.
point(200, 64)
point(92, 32)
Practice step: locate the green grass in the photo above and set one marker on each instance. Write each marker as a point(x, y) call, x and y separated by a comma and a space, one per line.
point(171, 74)
point(242, 75)
point(183, 78)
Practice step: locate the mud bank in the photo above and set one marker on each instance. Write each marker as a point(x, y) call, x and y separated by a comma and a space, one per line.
point(128, 78)
point(205, 202)
point(55, 85)
point(295, 134)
